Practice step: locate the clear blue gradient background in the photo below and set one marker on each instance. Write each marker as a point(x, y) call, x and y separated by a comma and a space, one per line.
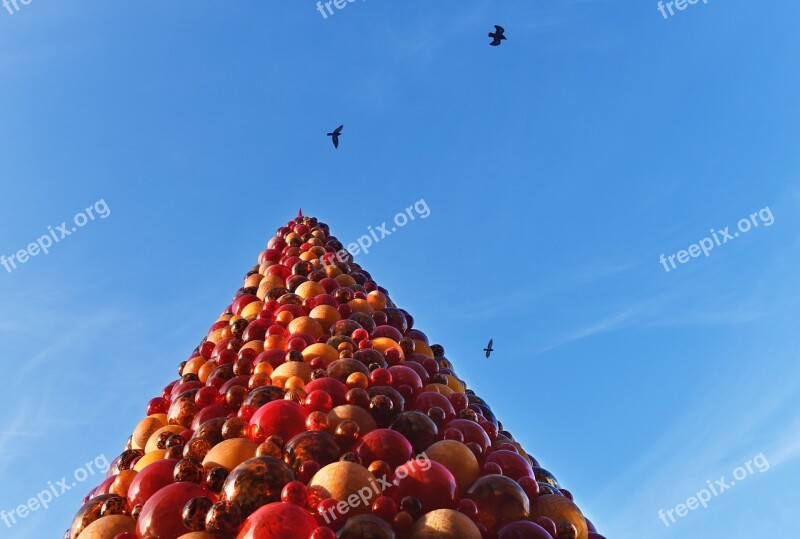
point(557, 167)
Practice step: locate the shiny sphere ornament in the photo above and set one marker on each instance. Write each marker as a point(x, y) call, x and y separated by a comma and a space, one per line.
point(543, 476)
point(115, 505)
point(162, 515)
point(316, 446)
point(224, 518)
point(256, 482)
point(428, 481)
point(457, 458)
point(523, 529)
point(386, 445)
point(363, 526)
point(295, 492)
point(188, 469)
point(215, 479)
point(194, 513)
point(500, 501)
point(341, 480)
point(560, 509)
point(197, 448)
point(230, 453)
point(445, 524)
point(278, 521)
point(323, 532)
point(384, 508)
point(547, 524)
point(347, 433)
point(150, 480)
point(566, 530)
point(317, 421)
point(417, 428)
point(282, 417)
point(146, 427)
point(110, 527)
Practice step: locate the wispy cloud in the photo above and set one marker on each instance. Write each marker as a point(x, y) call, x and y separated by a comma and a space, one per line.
point(611, 323)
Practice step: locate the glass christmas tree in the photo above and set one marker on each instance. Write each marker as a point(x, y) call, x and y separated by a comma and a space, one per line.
point(314, 409)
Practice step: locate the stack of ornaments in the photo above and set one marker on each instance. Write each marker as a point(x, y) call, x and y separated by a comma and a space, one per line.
point(314, 409)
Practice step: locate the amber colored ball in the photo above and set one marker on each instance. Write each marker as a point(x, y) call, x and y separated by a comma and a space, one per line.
point(459, 459)
point(342, 480)
point(326, 315)
point(108, 527)
point(145, 428)
point(306, 324)
point(230, 453)
point(149, 459)
point(500, 500)
point(328, 353)
point(445, 524)
point(558, 509)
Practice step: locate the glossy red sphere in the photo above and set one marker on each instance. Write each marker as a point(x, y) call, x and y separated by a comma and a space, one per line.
point(472, 432)
point(283, 418)
point(158, 405)
point(162, 515)
point(278, 520)
point(386, 445)
point(150, 480)
point(512, 463)
point(426, 480)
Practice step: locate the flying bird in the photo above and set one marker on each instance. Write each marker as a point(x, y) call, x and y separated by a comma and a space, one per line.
point(497, 36)
point(489, 349)
point(335, 136)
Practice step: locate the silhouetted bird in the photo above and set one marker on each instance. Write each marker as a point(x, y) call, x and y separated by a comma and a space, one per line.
point(497, 36)
point(489, 349)
point(335, 135)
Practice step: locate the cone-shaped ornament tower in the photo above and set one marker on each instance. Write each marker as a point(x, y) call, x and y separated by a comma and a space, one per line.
point(314, 409)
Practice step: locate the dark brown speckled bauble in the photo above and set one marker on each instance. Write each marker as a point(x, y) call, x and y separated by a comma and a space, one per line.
point(256, 482)
point(418, 428)
point(183, 409)
point(317, 446)
point(189, 470)
point(215, 479)
point(114, 506)
point(211, 430)
point(224, 518)
point(543, 476)
point(194, 513)
point(261, 396)
point(88, 514)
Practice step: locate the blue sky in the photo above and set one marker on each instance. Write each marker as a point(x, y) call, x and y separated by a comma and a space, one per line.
point(557, 169)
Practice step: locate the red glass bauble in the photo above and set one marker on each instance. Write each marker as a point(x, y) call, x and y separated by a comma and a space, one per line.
point(162, 515)
point(278, 520)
